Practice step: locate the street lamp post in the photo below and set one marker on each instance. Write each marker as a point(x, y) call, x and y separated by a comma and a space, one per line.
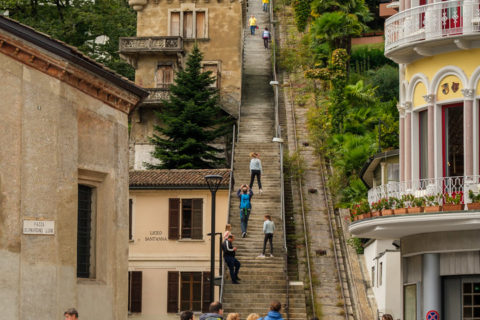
point(213, 182)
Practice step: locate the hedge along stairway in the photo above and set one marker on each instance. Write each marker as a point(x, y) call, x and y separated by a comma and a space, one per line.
point(263, 279)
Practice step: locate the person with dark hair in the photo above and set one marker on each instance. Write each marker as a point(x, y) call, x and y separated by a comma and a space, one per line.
point(387, 317)
point(314, 318)
point(268, 229)
point(266, 35)
point(274, 313)
point(229, 255)
point(245, 194)
point(71, 314)
point(186, 315)
point(215, 312)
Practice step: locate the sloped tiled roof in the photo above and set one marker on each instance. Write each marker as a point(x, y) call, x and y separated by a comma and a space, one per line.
point(176, 178)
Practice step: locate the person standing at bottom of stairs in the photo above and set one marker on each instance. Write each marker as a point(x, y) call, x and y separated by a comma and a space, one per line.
point(256, 170)
point(268, 229)
point(229, 255)
point(245, 194)
point(274, 313)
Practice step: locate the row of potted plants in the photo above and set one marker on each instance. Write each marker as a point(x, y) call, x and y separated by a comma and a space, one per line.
point(408, 203)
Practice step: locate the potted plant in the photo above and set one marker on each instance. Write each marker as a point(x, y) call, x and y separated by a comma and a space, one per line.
point(363, 210)
point(475, 204)
point(432, 203)
point(377, 207)
point(400, 206)
point(416, 205)
point(390, 203)
point(453, 202)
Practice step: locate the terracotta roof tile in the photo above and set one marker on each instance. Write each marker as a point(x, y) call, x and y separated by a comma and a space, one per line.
point(175, 178)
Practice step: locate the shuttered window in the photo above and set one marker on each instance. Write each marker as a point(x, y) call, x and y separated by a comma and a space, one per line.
point(175, 24)
point(135, 291)
point(173, 219)
point(188, 24)
point(164, 76)
point(185, 222)
point(84, 230)
point(188, 291)
point(130, 219)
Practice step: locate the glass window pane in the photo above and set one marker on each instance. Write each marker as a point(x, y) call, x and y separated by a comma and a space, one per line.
point(423, 143)
point(476, 287)
point(467, 311)
point(476, 312)
point(410, 305)
point(467, 300)
point(467, 287)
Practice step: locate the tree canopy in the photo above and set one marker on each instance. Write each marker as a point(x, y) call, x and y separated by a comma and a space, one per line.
point(80, 23)
point(191, 120)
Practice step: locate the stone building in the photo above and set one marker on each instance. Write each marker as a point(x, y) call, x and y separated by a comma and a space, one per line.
point(437, 45)
point(169, 253)
point(63, 180)
point(166, 32)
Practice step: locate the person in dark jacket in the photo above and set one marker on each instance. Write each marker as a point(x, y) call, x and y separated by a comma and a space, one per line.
point(274, 313)
point(215, 312)
point(186, 315)
point(229, 255)
point(245, 194)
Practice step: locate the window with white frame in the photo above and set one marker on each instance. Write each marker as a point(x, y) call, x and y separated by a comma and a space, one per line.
point(190, 24)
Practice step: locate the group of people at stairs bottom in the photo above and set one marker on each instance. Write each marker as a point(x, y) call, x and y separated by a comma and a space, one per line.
point(245, 195)
point(215, 312)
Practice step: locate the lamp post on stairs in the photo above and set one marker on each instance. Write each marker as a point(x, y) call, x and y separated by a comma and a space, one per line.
point(213, 182)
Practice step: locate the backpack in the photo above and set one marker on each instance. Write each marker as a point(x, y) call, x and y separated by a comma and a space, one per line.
point(245, 201)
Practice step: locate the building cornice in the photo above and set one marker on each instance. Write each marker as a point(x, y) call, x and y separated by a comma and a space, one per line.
point(68, 73)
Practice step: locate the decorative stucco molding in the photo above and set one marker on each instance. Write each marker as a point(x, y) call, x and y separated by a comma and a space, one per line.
point(137, 5)
point(468, 94)
point(401, 110)
point(408, 106)
point(68, 73)
point(429, 98)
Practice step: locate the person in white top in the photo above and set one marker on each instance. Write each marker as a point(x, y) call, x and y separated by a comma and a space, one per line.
point(255, 170)
point(268, 230)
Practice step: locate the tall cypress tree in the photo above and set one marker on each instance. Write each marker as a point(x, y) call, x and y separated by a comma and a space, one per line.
point(191, 119)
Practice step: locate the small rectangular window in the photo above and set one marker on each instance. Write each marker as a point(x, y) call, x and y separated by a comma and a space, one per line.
point(130, 219)
point(380, 274)
point(135, 291)
point(200, 24)
point(188, 24)
point(164, 76)
point(175, 24)
point(84, 231)
point(373, 276)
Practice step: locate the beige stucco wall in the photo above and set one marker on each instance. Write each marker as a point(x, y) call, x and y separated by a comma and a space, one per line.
point(155, 258)
point(224, 43)
point(50, 130)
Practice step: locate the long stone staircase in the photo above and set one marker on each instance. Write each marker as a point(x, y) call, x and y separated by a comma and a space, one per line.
point(263, 279)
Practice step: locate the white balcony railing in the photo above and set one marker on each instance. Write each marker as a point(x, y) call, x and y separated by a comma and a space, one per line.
point(432, 21)
point(427, 187)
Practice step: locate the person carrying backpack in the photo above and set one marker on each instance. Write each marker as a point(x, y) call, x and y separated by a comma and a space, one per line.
point(245, 194)
point(274, 313)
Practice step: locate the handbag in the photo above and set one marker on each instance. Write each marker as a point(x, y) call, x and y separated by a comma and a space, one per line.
point(256, 27)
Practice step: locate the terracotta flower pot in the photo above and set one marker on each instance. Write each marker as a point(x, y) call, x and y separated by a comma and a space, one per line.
point(360, 217)
point(355, 218)
point(387, 212)
point(415, 210)
point(433, 209)
point(400, 211)
point(474, 206)
point(453, 207)
point(376, 213)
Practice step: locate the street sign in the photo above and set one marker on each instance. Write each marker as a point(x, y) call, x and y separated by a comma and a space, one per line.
point(41, 227)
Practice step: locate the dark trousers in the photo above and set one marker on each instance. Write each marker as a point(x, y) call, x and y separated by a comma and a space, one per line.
point(252, 30)
point(254, 173)
point(234, 266)
point(268, 237)
point(244, 215)
point(265, 42)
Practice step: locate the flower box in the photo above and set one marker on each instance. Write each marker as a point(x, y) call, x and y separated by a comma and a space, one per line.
point(377, 213)
point(453, 207)
point(474, 206)
point(415, 210)
point(359, 217)
point(387, 212)
point(367, 215)
point(400, 211)
point(433, 209)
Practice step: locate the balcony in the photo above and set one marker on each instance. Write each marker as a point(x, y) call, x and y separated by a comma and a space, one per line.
point(421, 206)
point(136, 45)
point(156, 96)
point(431, 29)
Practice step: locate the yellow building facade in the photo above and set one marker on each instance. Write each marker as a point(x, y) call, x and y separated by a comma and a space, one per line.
point(169, 252)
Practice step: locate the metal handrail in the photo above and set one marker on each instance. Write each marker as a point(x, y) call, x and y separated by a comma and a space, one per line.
point(307, 247)
point(230, 186)
point(278, 134)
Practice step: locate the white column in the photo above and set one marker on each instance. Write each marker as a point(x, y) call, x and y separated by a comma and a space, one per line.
point(401, 125)
point(431, 283)
point(468, 130)
point(430, 100)
point(382, 170)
